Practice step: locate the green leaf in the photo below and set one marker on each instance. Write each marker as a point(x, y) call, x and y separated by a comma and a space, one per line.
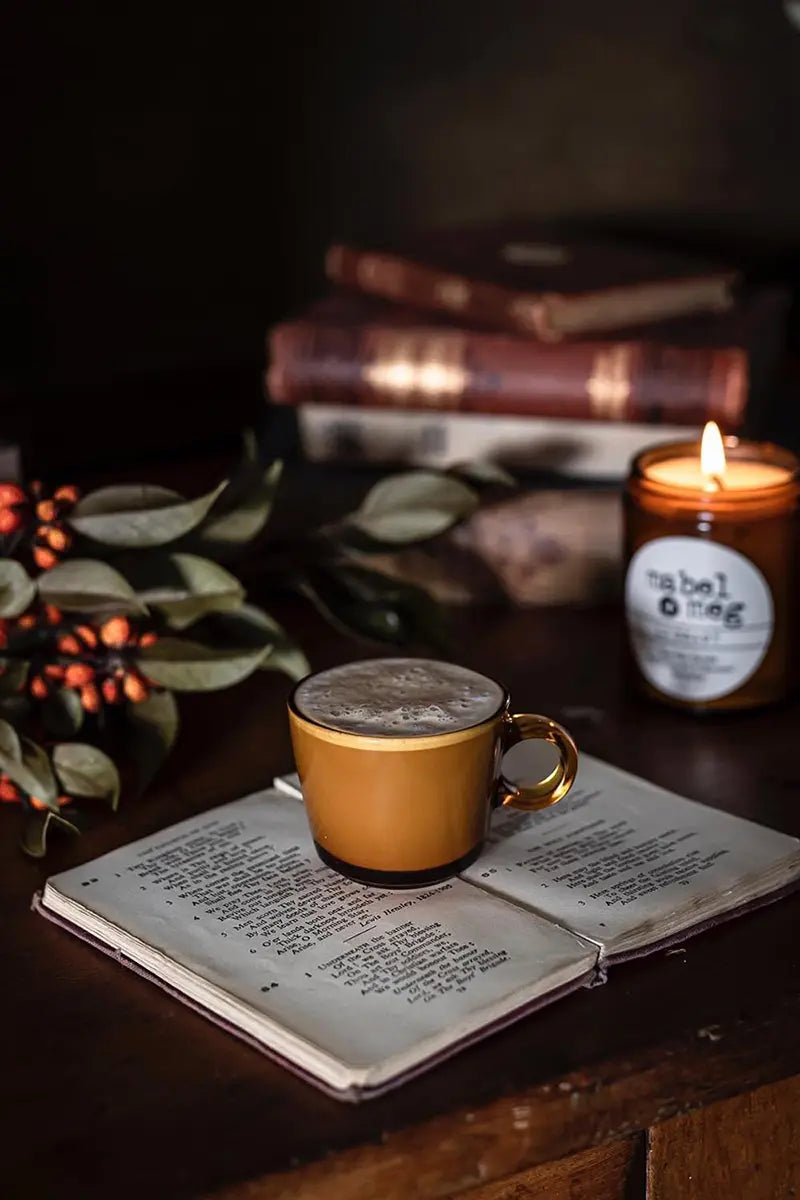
point(249, 460)
point(367, 604)
point(13, 675)
point(281, 653)
point(246, 628)
point(289, 659)
point(154, 727)
point(413, 506)
point(15, 709)
point(133, 516)
point(62, 713)
point(37, 828)
point(83, 770)
point(10, 747)
point(229, 530)
point(185, 666)
point(484, 472)
point(17, 589)
point(184, 587)
point(86, 585)
point(31, 772)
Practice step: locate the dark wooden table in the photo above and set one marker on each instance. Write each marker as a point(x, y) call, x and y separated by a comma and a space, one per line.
point(109, 1088)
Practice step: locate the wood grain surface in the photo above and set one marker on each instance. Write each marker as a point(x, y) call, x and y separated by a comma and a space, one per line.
point(604, 1173)
point(747, 1147)
point(110, 1086)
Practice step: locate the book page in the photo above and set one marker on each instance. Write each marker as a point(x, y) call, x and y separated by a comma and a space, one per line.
point(239, 897)
point(623, 862)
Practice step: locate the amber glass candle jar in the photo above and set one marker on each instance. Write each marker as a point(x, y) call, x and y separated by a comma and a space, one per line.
point(712, 577)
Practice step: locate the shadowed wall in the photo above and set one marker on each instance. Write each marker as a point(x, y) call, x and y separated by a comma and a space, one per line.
point(176, 174)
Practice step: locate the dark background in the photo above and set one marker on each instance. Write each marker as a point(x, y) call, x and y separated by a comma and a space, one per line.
point(175, 173)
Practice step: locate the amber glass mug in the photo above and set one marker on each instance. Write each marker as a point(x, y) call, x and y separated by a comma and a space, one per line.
point(400, 761)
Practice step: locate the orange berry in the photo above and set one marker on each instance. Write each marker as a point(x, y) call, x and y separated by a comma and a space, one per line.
point(54, 671)
point(10, 521)
point(135, 688)
point(52, 615)
point(40, 805)
point(111, 691)
point(9, 792)
point(67, 493)
point(115, 632)
point(77, 675)
point(58, 539)
point(90, 698)
point(11, 493)
point(69, 644)
point(148, 639)
point(39, 688)
point(46, 510)
point(87, 635)
point(26, 621)
point(44, 559)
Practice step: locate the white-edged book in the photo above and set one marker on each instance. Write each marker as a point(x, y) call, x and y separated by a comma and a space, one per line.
point(356, 988)
point(596, 450)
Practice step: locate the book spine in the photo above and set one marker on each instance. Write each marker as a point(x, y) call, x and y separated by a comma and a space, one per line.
point(546, 316)
point(447, 368)
point(571, 449)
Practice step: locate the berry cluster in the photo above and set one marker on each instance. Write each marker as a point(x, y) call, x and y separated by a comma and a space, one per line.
point(39, 516)
point(97, 662)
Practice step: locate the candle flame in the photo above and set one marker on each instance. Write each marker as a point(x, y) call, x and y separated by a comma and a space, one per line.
point(712, 455)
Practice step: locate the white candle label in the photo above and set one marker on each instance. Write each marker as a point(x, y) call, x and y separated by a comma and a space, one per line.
point(700, 617)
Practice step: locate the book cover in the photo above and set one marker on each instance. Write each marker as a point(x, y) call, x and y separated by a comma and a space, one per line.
point(352, 349)
point(522, 278)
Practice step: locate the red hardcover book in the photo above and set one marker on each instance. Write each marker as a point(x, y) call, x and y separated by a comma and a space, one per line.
point(520, 279)
point(354, 349)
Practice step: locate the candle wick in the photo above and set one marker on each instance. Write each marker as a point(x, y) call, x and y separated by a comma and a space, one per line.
point(713, 483)
point(718, 480)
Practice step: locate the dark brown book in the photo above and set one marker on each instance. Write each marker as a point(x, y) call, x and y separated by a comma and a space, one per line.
point(519, 279)
point(355, 349)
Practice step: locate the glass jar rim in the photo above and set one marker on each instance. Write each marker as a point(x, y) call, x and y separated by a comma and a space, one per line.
point(764, 498)
point(736, 448)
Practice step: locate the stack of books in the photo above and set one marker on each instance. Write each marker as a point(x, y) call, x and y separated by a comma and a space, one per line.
point(560, 357)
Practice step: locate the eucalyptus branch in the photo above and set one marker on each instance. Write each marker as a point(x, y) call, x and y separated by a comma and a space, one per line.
point(113, 602)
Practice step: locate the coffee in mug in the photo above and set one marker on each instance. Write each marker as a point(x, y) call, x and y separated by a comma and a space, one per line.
point(400, 765)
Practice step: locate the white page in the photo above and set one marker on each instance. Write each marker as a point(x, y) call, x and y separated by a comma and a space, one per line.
point(239, 896)
point(618, 854)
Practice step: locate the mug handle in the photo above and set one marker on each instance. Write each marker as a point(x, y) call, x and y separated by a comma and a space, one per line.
point(530, 797)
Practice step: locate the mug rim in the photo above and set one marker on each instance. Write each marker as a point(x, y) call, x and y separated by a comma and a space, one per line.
point(387, 740)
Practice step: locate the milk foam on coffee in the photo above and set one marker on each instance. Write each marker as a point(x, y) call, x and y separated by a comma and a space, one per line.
point(398, 697)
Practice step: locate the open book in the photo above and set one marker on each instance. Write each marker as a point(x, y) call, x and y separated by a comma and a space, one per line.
point(357, 988)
